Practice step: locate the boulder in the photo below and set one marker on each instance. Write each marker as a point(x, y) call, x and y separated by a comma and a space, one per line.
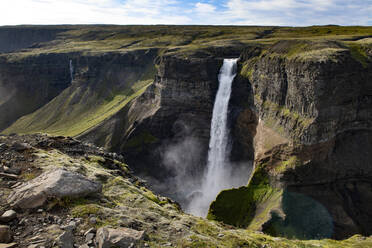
point(120, 237)
point(3, 147)
point(20, 147)
point(52, 184)
point(5, 234)
point(66, 240)
point(8, 216)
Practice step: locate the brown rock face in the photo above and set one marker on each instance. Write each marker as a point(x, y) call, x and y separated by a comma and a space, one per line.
point(5, 234)
point(326, 107)
point(167, 128)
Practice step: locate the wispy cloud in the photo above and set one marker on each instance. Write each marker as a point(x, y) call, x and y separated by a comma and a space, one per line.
point(239, 12)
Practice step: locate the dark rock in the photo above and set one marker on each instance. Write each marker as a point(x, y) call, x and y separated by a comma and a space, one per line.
point(15, 171)
point(20, 147)
point(5, 234)
point(66, 240)
point(8, 216)
point(3, 147)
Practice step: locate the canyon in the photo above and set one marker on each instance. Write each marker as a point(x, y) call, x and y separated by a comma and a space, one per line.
point(299, 116)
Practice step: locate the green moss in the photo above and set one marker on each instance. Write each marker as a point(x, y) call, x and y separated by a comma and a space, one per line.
point(74, 119)
point(206, 228)
point(359, 54)
point(296, 49)
point(321, 31)
point(28, 176)
point(290, 163)
point(84, 210)
point(275, 112)
point(238, 206)
point(151, 196)
point(96, 159)
point(248, 68)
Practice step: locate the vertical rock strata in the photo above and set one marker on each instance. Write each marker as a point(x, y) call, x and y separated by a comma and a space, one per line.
point(313, 166)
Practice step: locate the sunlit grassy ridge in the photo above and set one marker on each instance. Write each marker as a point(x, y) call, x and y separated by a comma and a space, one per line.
point(184, 38)
point(73, 119)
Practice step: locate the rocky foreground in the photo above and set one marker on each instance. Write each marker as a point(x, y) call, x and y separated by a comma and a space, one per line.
point(60, 192)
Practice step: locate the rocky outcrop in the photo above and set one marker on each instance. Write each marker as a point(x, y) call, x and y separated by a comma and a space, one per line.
point(122, 237)
point(312, 173)
point(57, 183)
point(125, 202)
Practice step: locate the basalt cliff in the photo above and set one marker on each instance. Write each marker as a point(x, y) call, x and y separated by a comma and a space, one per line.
point(300, 109)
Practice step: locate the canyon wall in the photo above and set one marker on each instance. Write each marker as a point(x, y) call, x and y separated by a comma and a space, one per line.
point(300, 108)
point(28, 83)
point(313, 172)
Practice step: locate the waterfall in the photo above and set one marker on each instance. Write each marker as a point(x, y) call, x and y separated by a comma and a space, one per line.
point(217, 173)
point(71, 71)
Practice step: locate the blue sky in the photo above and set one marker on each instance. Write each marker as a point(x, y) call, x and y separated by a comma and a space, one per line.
point(215, 12)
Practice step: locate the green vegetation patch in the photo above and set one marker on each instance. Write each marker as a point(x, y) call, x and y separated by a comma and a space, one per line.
point(84, 210)
point(150, 195)
point(248, 68)
point(329, 31)
point(290, 163)
point(238, 206)
point(358, 52)
point(277, 112)
point(305, 50)
point(74, 119)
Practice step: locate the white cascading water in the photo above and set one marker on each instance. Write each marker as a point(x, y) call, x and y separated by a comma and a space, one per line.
point(217, 168)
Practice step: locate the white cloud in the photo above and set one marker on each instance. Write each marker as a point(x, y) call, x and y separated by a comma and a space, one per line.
point(90, 12)
point(204, 8)
point(238, 12)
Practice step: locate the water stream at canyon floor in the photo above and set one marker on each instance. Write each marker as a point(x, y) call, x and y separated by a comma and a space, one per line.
point(217, 173)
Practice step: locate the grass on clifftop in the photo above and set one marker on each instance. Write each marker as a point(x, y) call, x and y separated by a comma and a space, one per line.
point(182, 39)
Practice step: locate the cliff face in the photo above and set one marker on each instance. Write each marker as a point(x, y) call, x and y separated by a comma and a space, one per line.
point(101, 84)
point(328, 93)
point(28, 83)
point(301, 108)
point(313, 175)
point(166, 129)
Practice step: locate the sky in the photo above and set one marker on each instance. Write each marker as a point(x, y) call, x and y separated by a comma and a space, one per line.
point(214, 12)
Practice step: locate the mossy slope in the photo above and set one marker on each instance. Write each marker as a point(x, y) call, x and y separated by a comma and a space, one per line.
point(125, 202)
point(98, 91)
point(248, 206)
